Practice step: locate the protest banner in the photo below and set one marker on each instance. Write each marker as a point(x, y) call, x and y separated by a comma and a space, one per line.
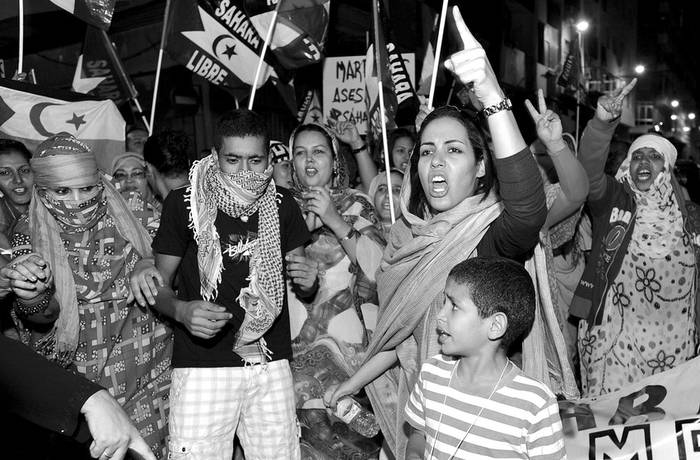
point(653, 419)
point(344, 88)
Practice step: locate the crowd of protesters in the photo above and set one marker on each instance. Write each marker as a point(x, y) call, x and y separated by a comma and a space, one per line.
point(247, 298)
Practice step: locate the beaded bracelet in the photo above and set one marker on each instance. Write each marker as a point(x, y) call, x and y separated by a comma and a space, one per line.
point(29, 310)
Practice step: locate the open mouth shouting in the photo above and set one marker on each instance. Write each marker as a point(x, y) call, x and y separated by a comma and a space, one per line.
point(438, 185)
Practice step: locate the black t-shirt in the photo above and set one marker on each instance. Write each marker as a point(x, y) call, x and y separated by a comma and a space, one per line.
point(175, 238)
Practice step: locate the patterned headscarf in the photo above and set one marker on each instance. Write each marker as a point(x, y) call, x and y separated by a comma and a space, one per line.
point(659, 223)
point(64, 161)
point(279, 153)
point(118, 160)
point(340, 181)
point(239, 195)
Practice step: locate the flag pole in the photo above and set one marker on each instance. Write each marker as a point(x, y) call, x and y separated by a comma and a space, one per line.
point(258, 70)
point(578, 80)
point(20, 58)
point(382, 110)
point(126, 81)
point(385, 144)
point(438, 49)
point(163, 37)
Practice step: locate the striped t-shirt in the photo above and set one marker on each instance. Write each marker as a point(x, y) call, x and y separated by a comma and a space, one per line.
point(520, 421)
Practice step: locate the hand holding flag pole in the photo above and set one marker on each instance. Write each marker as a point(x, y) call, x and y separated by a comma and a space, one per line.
point(261, 61)
point(438, 50)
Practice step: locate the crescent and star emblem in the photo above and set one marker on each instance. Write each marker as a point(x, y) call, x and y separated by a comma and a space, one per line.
point(35, 118)
point(227, 48)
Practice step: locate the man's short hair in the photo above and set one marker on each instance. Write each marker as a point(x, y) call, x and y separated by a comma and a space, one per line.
point(497, 284)
point(240, 123)
point(168, 152)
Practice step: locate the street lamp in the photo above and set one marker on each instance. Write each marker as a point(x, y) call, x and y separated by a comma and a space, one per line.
point(691, 116)
point(674, 117)
point(675, 103)
point(639, 69)
point(582, 25)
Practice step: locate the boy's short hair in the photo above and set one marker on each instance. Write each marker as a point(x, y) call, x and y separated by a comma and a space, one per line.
point(168, 151)
point(497, 284)
point(240, 123)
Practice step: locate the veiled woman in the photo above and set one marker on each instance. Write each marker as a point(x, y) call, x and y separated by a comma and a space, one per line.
point(73, 256)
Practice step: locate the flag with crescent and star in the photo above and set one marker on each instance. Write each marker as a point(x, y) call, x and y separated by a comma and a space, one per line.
point(310, 110)
point(217, 41)
point(29, 115)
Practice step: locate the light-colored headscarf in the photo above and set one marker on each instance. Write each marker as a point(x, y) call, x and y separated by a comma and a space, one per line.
point(63, 161)
point(340, 181)
point(239, 195)
point(419, 255)
point(380, 179)
point(659, 223)
point(119, 160)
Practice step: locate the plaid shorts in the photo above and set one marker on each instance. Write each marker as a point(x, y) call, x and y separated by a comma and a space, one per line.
point(208, 406)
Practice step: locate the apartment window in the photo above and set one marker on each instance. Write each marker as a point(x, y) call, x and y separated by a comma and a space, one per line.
point(645, 113)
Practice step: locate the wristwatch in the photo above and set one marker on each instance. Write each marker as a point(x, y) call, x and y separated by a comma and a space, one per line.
point(501, 106)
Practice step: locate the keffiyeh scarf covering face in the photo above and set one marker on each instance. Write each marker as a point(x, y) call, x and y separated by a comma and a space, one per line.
point(239, 195)
point(63, 161)
point(659, 223)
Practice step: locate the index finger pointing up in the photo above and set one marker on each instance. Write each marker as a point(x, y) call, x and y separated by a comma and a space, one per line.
point(468, 40)
point(627, 89)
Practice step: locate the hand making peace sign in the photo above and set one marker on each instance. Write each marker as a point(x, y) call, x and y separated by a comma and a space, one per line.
point(609, 106)
point(547, 123)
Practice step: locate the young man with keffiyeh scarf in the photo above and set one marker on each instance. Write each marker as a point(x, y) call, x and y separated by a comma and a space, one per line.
point(226, 235)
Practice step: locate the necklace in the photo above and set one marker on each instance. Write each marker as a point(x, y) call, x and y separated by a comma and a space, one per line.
point(478, 415)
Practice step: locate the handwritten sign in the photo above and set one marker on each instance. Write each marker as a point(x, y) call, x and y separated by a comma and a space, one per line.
point(344, 88)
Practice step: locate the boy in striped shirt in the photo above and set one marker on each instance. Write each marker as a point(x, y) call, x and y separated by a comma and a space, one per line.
point(471, 401)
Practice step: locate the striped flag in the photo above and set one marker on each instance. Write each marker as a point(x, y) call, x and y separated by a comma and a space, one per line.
point(95, 12)
point(31, 115)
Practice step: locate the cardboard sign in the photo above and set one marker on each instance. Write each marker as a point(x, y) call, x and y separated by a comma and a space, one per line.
point(344, 88)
